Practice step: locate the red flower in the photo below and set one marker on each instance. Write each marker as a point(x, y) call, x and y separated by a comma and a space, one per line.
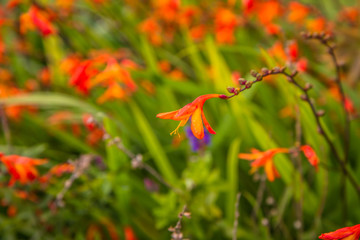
point(195, 111)
point(129, 233)
point(347, 233)
point(264, 159)
point(310, 155)
point(36, 19)
point(21, 168)
point(81, 76)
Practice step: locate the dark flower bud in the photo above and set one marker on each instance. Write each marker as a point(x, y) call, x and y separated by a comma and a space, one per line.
point(308, 86)
point(276, 70)
point(248, 85)
point(259, 78)
point(303, 97)
point(230, 89)
point(320, 113)
point(253, 73)
point(242, 81)
point(222, 96)
point(264, 71)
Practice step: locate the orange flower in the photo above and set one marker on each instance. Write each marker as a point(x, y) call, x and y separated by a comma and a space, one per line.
point(264, 159)
point(114, 73)
point(167, 9)
point(198, 32)
point(310, 155)
point(225, 23)
point(36, 19)
point(316, 25)
point(347, 233)
point(350, 14)
point(297, 12)
point(277, 51)
point(21, 168)
point(195, 111)
point(60, 169)
point(129, 233)
point(151, 28)
point(349, 105)
point(268, 11)
point(187, 15)
point(114, 91)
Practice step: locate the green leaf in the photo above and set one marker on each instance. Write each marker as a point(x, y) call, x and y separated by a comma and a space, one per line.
point(153, 145)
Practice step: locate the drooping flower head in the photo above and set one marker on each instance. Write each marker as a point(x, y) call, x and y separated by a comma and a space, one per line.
point(195, 111)
point(346, 233)
point(264, 159)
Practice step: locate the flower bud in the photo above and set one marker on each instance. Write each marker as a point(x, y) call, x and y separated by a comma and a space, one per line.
point(308, 86)
point(276, 70)
point(230, 89)
point(265, 71)
point(320, 113)
point(303, 97)
point(253, 73)
point(242, 81)
point(222, 96)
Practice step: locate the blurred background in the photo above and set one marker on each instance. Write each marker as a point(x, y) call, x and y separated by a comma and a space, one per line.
point(83, 155)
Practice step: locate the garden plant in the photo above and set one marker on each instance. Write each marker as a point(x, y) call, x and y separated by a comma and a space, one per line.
point(179, 119)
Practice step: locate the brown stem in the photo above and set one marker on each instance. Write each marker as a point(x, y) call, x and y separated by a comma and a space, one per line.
point(80, 166)
point(266, 72)
point(321, 130)
point(176, 231)
point(324, 39)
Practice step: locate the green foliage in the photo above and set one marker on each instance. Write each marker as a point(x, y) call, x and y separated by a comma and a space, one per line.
point(115, 193)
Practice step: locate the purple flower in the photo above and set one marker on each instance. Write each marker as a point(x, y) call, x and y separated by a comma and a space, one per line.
point(195, 143)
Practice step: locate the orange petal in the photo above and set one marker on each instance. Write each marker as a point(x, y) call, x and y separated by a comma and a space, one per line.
point(270, 171)
point(167, 115)
point(249, 156)
point(197, 125)
point(206, 123)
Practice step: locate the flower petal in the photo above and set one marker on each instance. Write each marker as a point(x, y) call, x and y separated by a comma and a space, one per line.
point(197, 125)
point(206, 123)
point(346, 233)
point(167, 115)
point(271, 171)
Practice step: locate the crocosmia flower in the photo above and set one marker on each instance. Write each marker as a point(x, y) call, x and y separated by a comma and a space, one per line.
point(264, 159)
point(195, 111)
point(347, 233)
point(36, 19)
point(310, 155)
point(21, 168)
